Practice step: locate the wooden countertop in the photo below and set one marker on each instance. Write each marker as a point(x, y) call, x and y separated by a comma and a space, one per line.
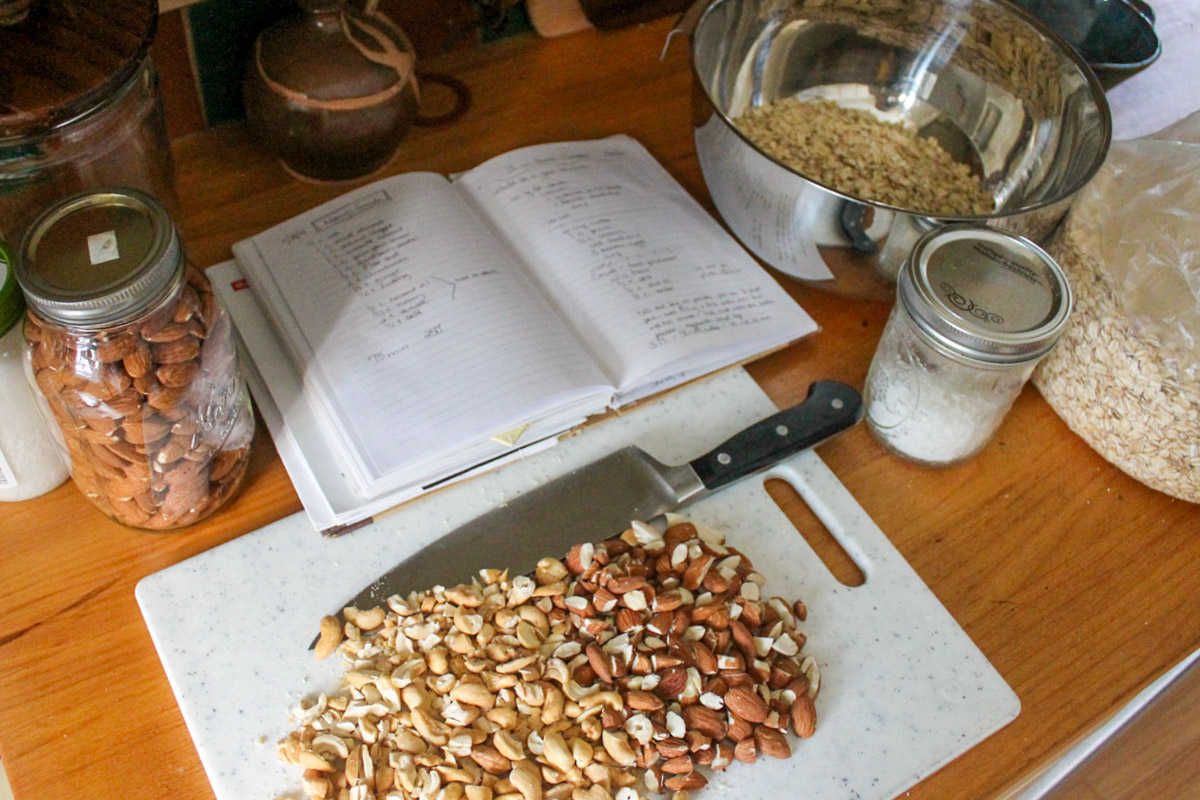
point(1079, 583)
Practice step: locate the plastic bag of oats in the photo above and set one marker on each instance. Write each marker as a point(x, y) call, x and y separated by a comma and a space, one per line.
point(1125, 375)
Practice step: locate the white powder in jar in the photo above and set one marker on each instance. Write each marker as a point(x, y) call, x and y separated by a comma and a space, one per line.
point(930, 408)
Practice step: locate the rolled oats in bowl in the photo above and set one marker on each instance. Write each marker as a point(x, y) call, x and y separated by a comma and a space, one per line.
point(858, 154)
point(914, 115)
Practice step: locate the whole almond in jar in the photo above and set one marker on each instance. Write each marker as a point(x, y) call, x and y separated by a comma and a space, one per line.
point(136, 360)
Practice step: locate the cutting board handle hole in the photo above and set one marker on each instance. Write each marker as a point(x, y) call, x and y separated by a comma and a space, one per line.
point(832, 555)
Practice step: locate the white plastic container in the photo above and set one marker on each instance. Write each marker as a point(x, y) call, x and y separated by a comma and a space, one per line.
point(31, 463)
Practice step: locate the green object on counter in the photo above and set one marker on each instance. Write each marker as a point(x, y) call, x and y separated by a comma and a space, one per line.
point(12, 303)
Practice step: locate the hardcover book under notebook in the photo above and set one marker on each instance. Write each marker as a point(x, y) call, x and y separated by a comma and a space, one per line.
point(433, 325)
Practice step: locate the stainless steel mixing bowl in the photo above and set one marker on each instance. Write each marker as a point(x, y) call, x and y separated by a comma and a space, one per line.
point(997, 89)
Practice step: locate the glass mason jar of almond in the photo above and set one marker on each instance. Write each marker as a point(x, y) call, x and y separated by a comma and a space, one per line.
point(136, 360)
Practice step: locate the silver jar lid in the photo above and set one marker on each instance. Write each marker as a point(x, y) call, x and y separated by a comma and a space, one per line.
point(985, 295)
point(99, 258)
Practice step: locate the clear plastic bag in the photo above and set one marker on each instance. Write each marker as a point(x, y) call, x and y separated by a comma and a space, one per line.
point(1125, 375)
point(1143, 214)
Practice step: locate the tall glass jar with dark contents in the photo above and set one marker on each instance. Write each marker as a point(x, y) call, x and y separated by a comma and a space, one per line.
point(79, 107)
point(136, 360)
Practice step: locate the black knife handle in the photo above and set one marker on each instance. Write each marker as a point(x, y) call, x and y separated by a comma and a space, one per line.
point(830, 408)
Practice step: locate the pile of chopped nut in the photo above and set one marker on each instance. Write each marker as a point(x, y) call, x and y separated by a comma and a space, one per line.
point(855, 153)
point(616, 674)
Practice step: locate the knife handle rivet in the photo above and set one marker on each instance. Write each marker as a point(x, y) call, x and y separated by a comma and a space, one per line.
point(782, 430)
point(723, 458)
point(837, 402)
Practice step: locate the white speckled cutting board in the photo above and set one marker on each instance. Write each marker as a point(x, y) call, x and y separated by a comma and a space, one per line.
point(904, 690)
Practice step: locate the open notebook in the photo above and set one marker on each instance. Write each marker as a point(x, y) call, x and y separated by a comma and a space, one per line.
point(434, 324)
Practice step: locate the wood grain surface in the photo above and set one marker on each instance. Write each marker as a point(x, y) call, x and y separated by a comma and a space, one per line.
point(1075, 580)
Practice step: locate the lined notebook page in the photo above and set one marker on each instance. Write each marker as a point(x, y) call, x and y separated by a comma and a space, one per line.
point(634, 263)
point(411, 323)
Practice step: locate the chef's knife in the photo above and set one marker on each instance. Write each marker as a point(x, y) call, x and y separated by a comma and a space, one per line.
point(599, 500)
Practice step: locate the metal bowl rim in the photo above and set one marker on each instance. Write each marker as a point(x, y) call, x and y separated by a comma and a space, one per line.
point(1097, 91)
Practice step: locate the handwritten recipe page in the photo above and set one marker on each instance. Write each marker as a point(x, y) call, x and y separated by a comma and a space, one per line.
point(648, 278)
point(396, 296)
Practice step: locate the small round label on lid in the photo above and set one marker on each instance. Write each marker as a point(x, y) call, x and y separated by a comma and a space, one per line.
point(103, 247)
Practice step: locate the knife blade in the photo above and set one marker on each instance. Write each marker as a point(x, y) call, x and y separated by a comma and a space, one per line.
point(600, 499)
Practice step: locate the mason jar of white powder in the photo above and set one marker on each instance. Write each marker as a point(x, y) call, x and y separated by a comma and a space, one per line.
point(30, 461)
point(976, 309)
